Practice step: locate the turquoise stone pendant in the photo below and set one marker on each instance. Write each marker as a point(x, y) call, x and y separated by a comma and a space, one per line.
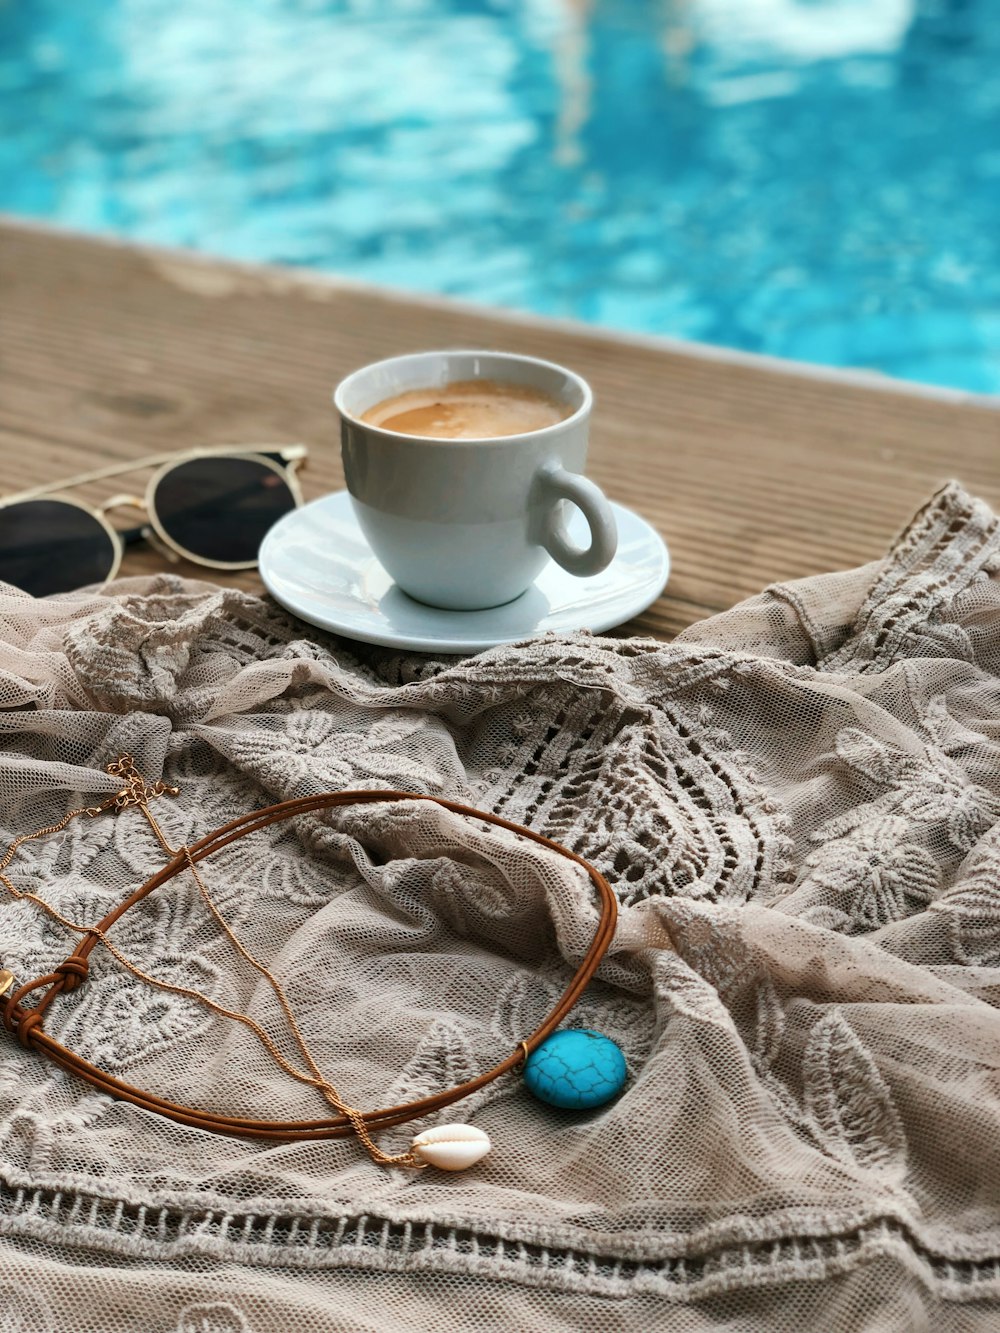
point(576, 1068)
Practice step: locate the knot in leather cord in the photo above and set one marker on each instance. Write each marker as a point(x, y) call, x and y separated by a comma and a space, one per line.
point(74, 971)
point(24, 1021)
point(26, 1025)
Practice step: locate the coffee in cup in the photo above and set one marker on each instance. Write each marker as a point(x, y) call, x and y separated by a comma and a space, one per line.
point(468, 521)
point(468, 410)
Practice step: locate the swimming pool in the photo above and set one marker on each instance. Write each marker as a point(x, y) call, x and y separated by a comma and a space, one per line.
point(817, 179)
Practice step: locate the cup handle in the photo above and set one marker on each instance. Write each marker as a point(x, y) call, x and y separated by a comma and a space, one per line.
point(557, 485)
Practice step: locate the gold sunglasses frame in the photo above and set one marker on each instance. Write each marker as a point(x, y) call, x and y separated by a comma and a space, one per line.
point(293, 459)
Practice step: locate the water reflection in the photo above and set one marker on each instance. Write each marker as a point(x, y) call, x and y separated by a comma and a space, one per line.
point(736, 51)
point(795, 30)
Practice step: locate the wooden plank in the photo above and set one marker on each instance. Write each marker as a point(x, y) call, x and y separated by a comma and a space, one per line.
point(753, 472)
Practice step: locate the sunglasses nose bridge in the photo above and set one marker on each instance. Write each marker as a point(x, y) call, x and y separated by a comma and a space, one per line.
point(123, 502)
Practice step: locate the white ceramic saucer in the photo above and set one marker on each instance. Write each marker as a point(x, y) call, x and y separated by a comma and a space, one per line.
point(316, 563)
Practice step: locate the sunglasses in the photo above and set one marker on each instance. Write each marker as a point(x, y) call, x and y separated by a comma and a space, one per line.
point(212, 506)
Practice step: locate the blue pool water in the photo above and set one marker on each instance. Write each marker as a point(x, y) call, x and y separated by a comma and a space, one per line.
point(817, 179)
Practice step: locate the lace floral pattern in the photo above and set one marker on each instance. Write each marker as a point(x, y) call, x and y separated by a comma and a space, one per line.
point(870, 877)
point(798, 806)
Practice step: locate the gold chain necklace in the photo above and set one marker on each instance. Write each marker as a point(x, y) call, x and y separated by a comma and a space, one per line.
point(137, 792)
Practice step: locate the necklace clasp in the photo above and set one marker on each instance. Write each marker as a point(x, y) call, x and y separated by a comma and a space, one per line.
point(137, 791)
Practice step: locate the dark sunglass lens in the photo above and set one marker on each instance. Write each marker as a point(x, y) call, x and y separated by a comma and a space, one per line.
point(220, 508)
point(50, 546)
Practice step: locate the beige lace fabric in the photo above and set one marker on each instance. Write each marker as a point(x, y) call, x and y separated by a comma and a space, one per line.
point(799, 805)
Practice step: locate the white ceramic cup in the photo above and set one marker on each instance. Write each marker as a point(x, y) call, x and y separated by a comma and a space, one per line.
point(468, 524)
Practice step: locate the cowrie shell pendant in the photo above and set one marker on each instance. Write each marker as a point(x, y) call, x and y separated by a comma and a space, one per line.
point(451, 1147)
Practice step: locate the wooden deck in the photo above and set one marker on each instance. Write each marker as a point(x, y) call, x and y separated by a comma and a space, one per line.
point(753, 472)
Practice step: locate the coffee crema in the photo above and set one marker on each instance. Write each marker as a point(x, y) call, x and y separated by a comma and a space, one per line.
point(468, 410)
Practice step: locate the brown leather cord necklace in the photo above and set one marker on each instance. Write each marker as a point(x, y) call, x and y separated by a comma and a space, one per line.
point(434, 1147)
